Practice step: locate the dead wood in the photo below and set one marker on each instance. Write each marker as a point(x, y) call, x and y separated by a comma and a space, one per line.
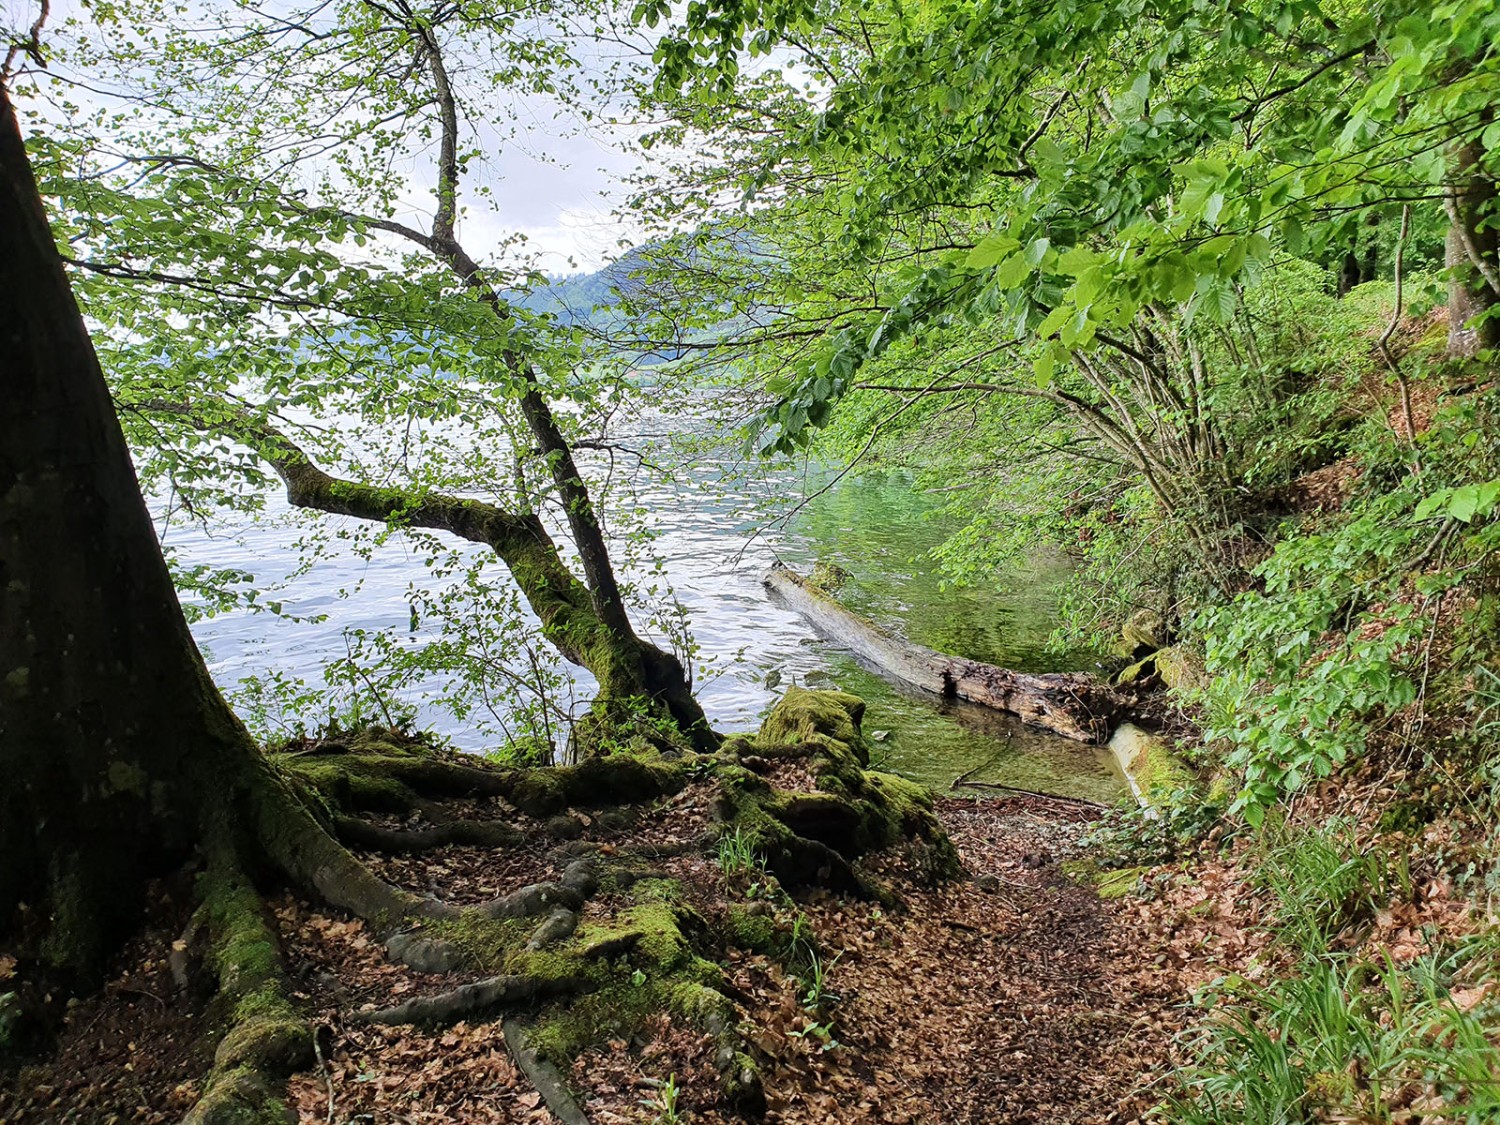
point(1071, 704)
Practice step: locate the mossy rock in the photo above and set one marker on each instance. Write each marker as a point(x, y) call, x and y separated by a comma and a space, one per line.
point(804, 716)
point(1149, 764)
point(1139, 672)
point(1145, 632)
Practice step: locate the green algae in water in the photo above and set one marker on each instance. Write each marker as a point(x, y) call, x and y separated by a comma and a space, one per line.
point(883, 532)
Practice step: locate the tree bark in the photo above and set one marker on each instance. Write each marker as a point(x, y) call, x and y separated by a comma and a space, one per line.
point(1472, 253)
point(118, 752)
point(105, 706)
point(1072, 705)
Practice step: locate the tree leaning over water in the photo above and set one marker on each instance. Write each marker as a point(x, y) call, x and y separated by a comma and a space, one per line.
point(237, 219)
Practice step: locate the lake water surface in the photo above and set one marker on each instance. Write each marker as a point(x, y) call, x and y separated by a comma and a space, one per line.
point(875, 526)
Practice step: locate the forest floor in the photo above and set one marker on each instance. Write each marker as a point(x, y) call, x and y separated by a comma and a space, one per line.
point(1016, 995)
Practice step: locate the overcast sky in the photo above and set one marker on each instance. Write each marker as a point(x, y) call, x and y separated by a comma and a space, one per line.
point(555, 180)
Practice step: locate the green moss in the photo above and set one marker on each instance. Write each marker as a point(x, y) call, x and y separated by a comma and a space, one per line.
point(237, 1097)
point(540, 792)
point(1119, 882)
point(280, 1043)
point(1138, 671)
point(1108, 882)
point(1159, 769)
point(124, 777)
point(1149, 763)
point(748, 929)
point(619, 1010)
point(743, 1088)
point(659, 922)
point(243, 951)
point(817, 717)
point(487, 943)
point(351, 782)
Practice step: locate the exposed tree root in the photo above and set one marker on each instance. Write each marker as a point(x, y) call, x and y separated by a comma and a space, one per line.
point(582, 972)
point(543, 1074)
point(265, 1040)
point(482, 997)
point(376, 837)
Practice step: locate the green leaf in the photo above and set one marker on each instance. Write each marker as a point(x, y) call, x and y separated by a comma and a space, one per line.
point(991, 250)
point(1045, 367)
point(1054, 320)
point(1076, 260)
point(1012, 272)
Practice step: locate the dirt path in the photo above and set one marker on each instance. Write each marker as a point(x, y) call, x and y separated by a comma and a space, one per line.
point(1016, 997)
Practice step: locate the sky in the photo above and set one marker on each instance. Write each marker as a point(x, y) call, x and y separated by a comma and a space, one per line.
point(562, 204)
point(555, 180)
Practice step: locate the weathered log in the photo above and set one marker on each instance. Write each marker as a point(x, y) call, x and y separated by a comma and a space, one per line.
point(1071, 704)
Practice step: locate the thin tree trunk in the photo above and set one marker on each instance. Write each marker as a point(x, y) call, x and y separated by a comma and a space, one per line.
point(624, 665)
point(1471, 254)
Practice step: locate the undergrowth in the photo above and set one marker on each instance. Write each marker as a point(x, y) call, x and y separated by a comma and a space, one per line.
point(1342, 1032)
point(1345, 1039)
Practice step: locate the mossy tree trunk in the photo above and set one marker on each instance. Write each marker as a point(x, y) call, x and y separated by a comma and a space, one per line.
point(119, 755)
point(627, 667)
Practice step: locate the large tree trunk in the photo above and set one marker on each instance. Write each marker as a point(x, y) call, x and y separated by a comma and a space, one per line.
point(118, 752)
point(119, 755)
point(107, 716)
point(1472, 254)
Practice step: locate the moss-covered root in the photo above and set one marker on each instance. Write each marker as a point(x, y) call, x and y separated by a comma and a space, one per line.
point(264, 1039)
point(814, 837)
point(381, 777)
point(651, 957)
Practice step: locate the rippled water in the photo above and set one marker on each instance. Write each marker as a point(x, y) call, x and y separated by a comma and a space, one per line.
point(875, 526)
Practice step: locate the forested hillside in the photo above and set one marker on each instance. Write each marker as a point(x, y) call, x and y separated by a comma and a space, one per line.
point(1192, 305)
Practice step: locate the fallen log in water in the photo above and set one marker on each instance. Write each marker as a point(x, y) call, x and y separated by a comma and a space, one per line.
point(1071, 704)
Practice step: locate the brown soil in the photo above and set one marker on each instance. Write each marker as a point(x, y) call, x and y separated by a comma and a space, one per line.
point(1018, 996)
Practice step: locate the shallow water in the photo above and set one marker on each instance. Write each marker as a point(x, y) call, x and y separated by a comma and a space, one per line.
point(876, 526)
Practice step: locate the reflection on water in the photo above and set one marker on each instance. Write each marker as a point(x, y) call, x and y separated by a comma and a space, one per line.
point(875, 526)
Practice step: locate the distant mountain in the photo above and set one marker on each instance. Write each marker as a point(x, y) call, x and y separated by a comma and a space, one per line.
point(587, 297)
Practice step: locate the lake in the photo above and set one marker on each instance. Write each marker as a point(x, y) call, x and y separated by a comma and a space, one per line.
point(714, 544)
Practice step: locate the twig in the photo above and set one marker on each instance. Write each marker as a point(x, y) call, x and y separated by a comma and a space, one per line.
point(1032, 793)
point(1385, 339)
point(963, 777)
point(31, 46)
point(326, 1069)
point(142, 992)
